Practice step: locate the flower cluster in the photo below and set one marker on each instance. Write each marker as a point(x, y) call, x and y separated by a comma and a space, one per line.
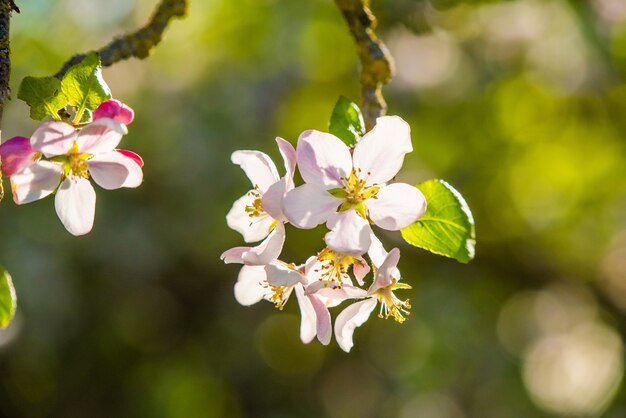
point(348, 189)
point(60, 158)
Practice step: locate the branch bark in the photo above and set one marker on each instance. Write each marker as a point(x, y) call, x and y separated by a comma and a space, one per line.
point(376, 62)
point(138, 44)
point(6, 8)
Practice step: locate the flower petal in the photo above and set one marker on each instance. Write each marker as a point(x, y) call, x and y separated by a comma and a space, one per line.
point(396, 206)
point(254, 228)
point(280, 274)
point(309, 205)
point(272, 200)
point(36, 181)
point(112, 170)
point(380, 153)
point(75, 204)
point(360, 269)
point(350, 233)
point(308, 321)
point(323, 326)
point(268, 250)
point(53, 138)
point(132, 155)
point(16, 154)
point(259, 168)
point(353, 316)
point(323, 159)
point(102, 135)
point(288, 152)
point(386, 272)
point(342, 293)
point(249, 288)
point(116, 110)
point(234, 255)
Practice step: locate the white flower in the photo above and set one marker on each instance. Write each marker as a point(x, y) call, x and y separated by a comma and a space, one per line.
point(74, 156)
point(348, 190)
point(256, 213)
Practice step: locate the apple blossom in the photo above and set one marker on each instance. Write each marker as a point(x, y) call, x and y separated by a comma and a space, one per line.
point(348, 190)
point(256, 213)
point(116, 110)
point(17, 154)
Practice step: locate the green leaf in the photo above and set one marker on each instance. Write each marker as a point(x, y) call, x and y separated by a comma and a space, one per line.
point(8, 300)
point(447, 227)
point(346, 122)
point(44, 96)
point(84, 86)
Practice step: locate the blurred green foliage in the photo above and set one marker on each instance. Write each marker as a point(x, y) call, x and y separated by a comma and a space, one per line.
point(519, 104)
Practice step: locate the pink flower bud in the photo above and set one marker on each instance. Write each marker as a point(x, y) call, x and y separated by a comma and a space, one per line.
point(16, 154)
point(116, 110)
point(135, 157)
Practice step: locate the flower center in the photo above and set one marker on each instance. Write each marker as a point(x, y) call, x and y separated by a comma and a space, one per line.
point(255, 209)
point(334, 268)
point(279, 297)
point(355, 192)
point(76, 163)
point(390, 305)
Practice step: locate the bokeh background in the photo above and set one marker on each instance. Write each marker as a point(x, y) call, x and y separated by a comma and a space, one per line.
point(521, 105)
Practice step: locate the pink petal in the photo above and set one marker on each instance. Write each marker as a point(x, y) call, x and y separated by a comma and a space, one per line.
point(380, 153)
point(385, 274)
point(102, 135)
point(133, 156)
point(53, 138)
point(234, 255)
point(323, 159)
point(254, 228)
point(16, 154)
point(360, 270)
point(75, 205)
point(36, 181)
point(112, 170)
point(353, 316)
point(259, 168)
point(350, 233)
point(323, 326)
point(116, 110)
point(288, 152)
point(250, 287)
point(308, 322)
point(335, 293)
point(279, 274)
point(309, 205)
point(396, 206)
point(268, 250)
point(272, 200)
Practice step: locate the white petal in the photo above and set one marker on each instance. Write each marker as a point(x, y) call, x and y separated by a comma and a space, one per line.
point(75, 204)
point(360, 270)
point(396, 206)
point(323, 326)
point(308, 322)
point(350, 233)
point(380, 153)
point(279, 274)
point(102, 135)
point(268, 250)
point(234, 255)
point(353, 316)
point(309, 205)
point(254, 228)
point(272, 200)
point(36, 181)
point(288, 153)
point(335, 293)
point(259, 168)
point(377, 252)
point(112, 170)
point(249, 288)
point(323, 159)
point(385, 275)
point(53, 138)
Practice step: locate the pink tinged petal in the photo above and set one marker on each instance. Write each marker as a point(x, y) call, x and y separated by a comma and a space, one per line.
point(396, 206)
point(259, 168)
point(353, 316)
point(268, 250)
point(102, 135)
point(53, 138)
point(234, 255)
point(385, 275)
point(272, 200)
point(323, 159)
point(308, 322)
point(350, 233)
point(253, 229)
point(133, 156)
point(112, 170)
point(323, 326)
point(342, 293)
point(288, 152)
point(250, 288)
point(360, 270)
point(116, 110)
point(75, 204)
point(377, 252)
point(36, 181)
point(279, 274)
point(309, 205)
point(380, 153)
point(16, 154)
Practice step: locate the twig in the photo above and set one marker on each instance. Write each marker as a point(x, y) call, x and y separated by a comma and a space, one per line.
point(376, 62)
point(137, 44)
point(6, 8)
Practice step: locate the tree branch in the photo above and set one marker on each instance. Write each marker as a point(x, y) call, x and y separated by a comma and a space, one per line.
point(376, 62)
point(138, 44)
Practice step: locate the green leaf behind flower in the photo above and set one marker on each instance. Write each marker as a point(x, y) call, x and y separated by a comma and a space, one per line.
point(43, 95)
point(346, 121)
point(8, 300)
point(84, 86)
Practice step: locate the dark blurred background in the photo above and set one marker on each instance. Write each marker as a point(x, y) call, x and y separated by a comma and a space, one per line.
point(521, 105)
